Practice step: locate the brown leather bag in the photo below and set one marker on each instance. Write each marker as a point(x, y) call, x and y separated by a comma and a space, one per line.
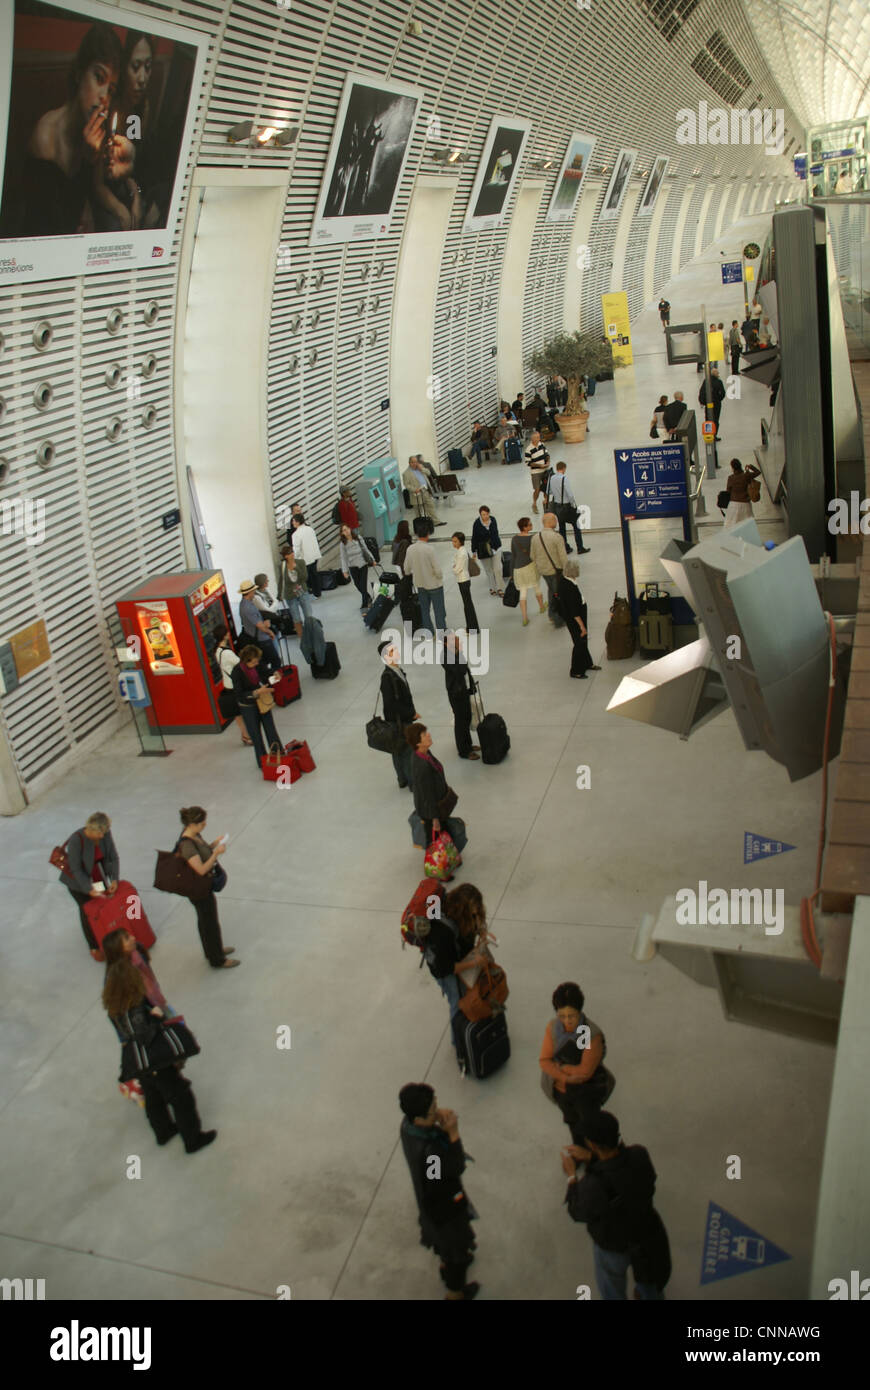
point(174, 874)
point(487, 994)
point(265, 700)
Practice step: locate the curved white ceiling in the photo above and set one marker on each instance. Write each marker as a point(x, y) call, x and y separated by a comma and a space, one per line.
point(819, 52)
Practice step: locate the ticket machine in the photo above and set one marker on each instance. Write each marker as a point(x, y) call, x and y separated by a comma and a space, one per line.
point(170, 621)
point(380, 500)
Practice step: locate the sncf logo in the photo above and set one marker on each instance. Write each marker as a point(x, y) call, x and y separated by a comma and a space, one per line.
point(156, 251)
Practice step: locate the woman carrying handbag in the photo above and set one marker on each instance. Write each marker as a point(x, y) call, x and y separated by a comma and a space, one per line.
point(434, 800)
point(227, 661)
point(154, 1048)
point(203, 858)
point(256, 703)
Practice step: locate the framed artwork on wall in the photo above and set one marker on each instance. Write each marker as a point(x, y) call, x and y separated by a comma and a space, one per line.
point(618, 185)
point(653, 187)
point(497, 172)
point(578, 157)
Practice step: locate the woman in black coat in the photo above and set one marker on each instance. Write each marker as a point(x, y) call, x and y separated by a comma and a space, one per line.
point(93, 868)
point(573, 610)
point(398, 708)
point(247, 681)
point(434, 801)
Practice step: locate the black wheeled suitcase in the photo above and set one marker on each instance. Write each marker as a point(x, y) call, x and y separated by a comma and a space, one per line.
point(513, 451)
point(494, 738)
point(482, 1047)
point(406, 498)
point(331, 665)
point(379, 612)
point(655, 623)
point(456, 459)
point(411, 612)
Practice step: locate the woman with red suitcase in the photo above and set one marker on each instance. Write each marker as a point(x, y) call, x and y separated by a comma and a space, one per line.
point(92, 868)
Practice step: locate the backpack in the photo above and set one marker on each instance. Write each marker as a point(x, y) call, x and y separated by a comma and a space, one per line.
point(336, 514)
point(415, 922)
point(619, 635)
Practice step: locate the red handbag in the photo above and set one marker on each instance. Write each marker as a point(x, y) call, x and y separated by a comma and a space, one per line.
point(302, 753)
point(278, 763)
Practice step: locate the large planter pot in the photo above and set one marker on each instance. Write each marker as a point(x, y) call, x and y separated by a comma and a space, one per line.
point(573, 427)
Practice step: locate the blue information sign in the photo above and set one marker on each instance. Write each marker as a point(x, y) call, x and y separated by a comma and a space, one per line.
point(651, 481)
point(732, 272)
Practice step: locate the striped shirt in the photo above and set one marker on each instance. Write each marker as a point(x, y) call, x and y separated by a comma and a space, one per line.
point(536, 458)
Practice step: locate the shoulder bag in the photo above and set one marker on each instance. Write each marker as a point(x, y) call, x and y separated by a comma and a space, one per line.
point(473, 567)
point(265, 700)
point(380, 734)
point(487, 995)
point(60, 859)
point(173, 874)
point(754, 490)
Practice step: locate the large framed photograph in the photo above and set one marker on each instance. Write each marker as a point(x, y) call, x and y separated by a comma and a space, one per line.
point(653, 187)
point(618, 185)
point(370, 144)
point(97, 106)
point(578, 158)
point(497, 172)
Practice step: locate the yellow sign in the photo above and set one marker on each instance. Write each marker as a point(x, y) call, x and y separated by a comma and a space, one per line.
point(716, 346)
point(749, 272)
point(30, 648)
point(614, 308)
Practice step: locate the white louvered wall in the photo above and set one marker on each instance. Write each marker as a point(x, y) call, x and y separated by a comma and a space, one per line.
point(328, 369)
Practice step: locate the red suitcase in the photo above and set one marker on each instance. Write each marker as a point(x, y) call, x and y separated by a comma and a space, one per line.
point(106, 913)
point(286, 690)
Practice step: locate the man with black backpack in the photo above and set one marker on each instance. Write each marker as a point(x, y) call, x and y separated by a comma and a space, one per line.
point(614, 1197)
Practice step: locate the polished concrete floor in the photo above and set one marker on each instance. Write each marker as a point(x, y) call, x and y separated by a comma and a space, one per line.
point(305, 1186)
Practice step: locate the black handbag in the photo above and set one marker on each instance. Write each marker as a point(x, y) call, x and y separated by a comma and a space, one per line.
point(654, 433)
point(511, 594)
point(723, 499)
point(380, 734)
point(447, 804)
point(218, 878)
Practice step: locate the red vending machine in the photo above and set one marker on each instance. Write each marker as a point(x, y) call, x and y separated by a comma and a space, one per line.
point(174, 616)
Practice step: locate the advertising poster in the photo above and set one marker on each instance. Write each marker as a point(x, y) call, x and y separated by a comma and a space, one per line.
point(497, 172)
point(369, 147)
point(616, 189)
point(96, 121)
point(617, 326)
point(578, 157)
point(653, 187)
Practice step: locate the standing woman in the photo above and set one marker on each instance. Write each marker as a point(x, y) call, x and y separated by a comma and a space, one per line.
point(434, 801)
point(355, 559)
point(580, 1081)
point(398, 708)
point(120, 945)
point(485, 541)
point(658, 420)
point(93, 868)
point(524, 570)
point(153, 1051)
point(292, 588)
point(227, 661)
point(573, 610)
point(202, 858)
point(463, 580)
point(738, 485)
point(248, 684)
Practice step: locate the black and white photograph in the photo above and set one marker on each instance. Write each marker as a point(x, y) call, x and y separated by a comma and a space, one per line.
point(369, 146)
point(653, 187)
point(575, 165)
point(502, 154)
point(95, 124)
point(616, 189)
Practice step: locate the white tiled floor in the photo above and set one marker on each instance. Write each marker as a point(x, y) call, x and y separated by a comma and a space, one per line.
point(305, 1185)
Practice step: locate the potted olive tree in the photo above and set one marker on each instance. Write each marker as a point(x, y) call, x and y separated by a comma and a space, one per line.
point(574, 356)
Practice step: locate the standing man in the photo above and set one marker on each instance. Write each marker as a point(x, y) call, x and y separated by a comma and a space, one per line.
point(664, 312)
point(257, 627)
point(436, 1160)
point(563, 504)
point(673, 413)
point(736, 347)
point(537, 460)
point(549, 556)
point(305, 548)
point(614, 1198)
point(460, 688)
point(713, 398)
point(398, 709)
point(421, 563)
point(417, 483)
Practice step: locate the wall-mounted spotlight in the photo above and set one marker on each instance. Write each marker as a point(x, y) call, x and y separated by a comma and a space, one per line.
point(272, 135)
point(238, 134)
point(541, 164)
point(448, 156)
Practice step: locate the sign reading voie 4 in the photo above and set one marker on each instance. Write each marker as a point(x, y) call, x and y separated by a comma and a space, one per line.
point(651, 481)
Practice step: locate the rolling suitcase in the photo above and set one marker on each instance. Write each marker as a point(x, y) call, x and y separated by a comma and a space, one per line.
point(456, 459)
point(411, 613)
point(331, 665)
point(287, 689)
point(656, 624)
point(494, 738)
point(379, 612)
point(105, 914)
point(406, 498)
point(482, 1047)
point(513, 451)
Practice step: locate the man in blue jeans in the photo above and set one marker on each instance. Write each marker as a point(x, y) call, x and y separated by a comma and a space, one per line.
point(615, 1200)
point(421, 563)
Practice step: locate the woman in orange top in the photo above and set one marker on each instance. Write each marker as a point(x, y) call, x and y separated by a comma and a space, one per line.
point(579, 1087)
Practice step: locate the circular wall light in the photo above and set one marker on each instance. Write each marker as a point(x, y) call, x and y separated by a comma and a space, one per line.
point(42, 396)
point(114, 427)
point(42, 335)
point(149, 415)
point(114, 319)
point(151, 312)
point(113, 376)
point(149, 365)
point(5, 465)
point(45, 454)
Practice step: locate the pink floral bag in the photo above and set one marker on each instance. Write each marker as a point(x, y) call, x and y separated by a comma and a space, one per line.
point(441, 858)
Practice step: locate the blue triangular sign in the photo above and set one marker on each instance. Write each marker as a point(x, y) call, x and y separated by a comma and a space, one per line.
point(731, 1247)
point(761, 847)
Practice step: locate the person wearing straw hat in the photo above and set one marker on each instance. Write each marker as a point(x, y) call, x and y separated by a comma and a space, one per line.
point(257, 627)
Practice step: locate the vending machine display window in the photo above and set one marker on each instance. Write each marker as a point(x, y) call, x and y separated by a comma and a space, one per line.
point(159, 645)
